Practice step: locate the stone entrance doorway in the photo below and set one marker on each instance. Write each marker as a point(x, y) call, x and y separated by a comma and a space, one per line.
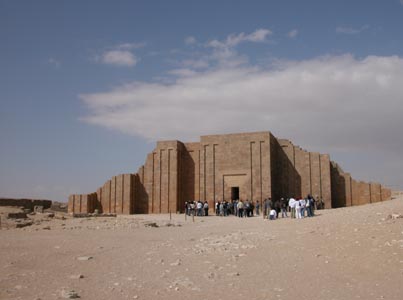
point(234, 193)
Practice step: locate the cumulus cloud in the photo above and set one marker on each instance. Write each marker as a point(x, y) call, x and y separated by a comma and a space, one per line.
point(119, 58)
point(342, 102)
point(351, 30)
point(120, 55)
point(293, 33)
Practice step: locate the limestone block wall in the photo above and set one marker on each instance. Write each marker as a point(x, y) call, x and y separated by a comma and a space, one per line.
point(84, 203)
point(26, 203)
point(326, 180)
point(161, 179)
point(116, 196)
point(354, 192)
point(289, 180)
point(341, 186)
point(302, 173)
point(190, 171)
point(349, 192)
point(375, 192)
point(302, 166)
point(364, 196)
point(252, 166)
point(386, 194)
point(235, 161)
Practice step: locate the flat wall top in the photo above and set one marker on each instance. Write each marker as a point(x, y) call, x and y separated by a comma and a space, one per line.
point(231, 136)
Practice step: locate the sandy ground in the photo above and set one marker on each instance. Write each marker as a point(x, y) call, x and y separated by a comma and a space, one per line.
point(347, 253)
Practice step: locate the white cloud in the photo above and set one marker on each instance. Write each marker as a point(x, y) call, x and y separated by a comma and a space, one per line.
point(130, 46)
point(119, 58)
point(351, 30)
point(293, 33)
point(120, 55)
point(221, 53)
point(338, 101)
point(258, 36)
point(190, 40)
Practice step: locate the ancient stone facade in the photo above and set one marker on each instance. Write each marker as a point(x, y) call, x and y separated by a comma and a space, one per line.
point(253, 166)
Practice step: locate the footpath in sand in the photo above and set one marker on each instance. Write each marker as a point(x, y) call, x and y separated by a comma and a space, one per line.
point(347, 253)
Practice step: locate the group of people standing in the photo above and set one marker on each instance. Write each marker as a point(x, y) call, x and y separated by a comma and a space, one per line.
point(299, 208)
point(196, 208)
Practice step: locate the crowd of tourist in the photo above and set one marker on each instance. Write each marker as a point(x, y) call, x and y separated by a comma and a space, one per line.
point(298, 208)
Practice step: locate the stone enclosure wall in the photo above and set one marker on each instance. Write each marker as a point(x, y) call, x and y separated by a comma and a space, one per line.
point(253, 166)
point(26, 203)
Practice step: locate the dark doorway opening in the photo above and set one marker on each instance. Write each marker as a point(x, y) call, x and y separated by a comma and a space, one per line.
point(234, 193)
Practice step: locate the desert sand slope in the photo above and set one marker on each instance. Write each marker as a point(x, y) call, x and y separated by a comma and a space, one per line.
point(347, 253)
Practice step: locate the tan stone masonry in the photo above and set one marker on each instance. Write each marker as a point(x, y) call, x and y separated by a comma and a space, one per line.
point(253, 166)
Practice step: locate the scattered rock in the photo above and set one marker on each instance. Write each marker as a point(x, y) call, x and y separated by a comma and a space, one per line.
point(50, 214)
point(46, 228)
point(84, 258)
point(211, 276)
point(38, 209)
point(72, 294)
point(176, 263)
point(395, 216)
point(152, 224)
point(17, 215)
point(25, 223)
point(78, 276)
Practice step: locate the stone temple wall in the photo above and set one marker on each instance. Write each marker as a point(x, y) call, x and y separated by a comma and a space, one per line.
point(348, 192)
point(253, 166)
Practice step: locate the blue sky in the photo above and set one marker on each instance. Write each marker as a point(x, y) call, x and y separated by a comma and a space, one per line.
point(87, 87)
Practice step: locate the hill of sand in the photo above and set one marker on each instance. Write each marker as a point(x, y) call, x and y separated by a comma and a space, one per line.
point(346, 253)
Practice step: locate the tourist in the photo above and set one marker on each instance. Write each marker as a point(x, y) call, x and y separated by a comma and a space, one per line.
point(205, 206)
point(225, 208)
point(302, 203)
point(273, 214)
point(257, 207)
point(217, 205)
point(269, 206)
point(283, 208)
point(221, 208)
point(292, 203)
point(298, 208)
point(247, 208)
point(235, 204)
point(313, 205)
point(308, 206)
point(192, 208)
point(240, 208)
point(199, 207)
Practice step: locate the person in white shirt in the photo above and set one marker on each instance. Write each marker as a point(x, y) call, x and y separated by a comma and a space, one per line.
point(298, 209)
point(291, 204)
point(302, 202)
point(273, 214)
